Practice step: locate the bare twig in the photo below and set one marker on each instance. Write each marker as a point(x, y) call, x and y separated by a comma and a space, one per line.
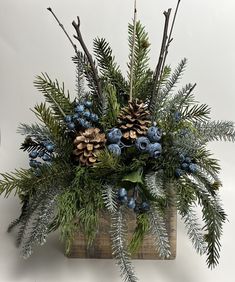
point(89, 57)
point(132, 53)
point(64, 30)
point(162, 52)
point(169, 38)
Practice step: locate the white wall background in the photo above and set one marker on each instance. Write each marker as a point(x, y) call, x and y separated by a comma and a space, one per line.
point(31, 42)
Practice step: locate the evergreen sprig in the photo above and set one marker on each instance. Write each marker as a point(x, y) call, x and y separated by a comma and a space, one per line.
point(107, 65)
point(141, 58)
point(55, 95)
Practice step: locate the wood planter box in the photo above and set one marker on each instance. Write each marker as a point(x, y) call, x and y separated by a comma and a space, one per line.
point(101, 249)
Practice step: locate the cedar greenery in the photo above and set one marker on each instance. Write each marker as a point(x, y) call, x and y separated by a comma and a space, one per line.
point(63, 194)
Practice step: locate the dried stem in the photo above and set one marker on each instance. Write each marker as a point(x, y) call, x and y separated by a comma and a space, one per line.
point(64, 30)
point(132, 54)
point(162, 52)
point(87, 53)
point(169, 38)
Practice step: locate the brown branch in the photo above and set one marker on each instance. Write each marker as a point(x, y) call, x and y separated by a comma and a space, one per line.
point(162, 52)
point(64, 30)
point(87, 53)
point(170, 39)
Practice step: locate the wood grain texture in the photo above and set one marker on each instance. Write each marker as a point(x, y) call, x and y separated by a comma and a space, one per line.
point(102, 244)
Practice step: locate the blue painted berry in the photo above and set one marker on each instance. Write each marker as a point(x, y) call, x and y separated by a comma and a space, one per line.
point(131, 203)
point(142, 144)
point(193, 168)
point(94, 117)
point(188, 160)
point(81, 121)
point(37, 172)
point(155, 150)
point(123, 200)
point(87, 124)
point(154, 134)
point(50, 147)
point(145, 206)
point(115, 149)
point(185, 166)
point(33, 154)
point(88, 104)
point(40, 154)
point(33, 163)
point(87, 114)
point(71, 125)
point(114, 136)
point(182, 158)
point(178, 172)
point(122, 192)
point(68, 118)
point(79, 109)
point(75, 116)
point(46, 158)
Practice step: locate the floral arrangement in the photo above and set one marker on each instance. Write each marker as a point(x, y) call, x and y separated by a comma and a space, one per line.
point(123, 145)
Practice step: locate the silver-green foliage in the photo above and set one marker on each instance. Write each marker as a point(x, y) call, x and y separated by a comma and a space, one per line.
point(119, 246)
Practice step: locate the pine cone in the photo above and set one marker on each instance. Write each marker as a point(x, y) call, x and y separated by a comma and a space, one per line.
point(87, 144)
point(134, 120)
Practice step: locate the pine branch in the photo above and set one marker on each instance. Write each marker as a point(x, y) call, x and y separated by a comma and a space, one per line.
point(15, 181)
point(55, 95)
point(196, 113)
point(41, 220)
point(67, 216)
point(194, 230)
point(36, 131)
point(113, 107)
point(118, 237)
point(160, 100)
point(141, 230)
point(158, 230)
point(216, 131)
point(155, 184)
point(214, 218)
point(140, 57)
point(107, 65)
point(109, 198)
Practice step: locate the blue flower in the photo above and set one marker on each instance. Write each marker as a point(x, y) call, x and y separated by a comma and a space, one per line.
point(114, 149)
point(142, 144)
point(155, 150)
point(88, 104)
point(192, 168)
point(154, 134)
point(114, 136)
point(79, 109)
point(68, 118)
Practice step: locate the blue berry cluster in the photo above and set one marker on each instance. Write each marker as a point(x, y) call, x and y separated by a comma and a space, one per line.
point(45, 154)
point(131, 201)
point(83, 116)
point(186, 165)
point(114, 137)
point(151, 143)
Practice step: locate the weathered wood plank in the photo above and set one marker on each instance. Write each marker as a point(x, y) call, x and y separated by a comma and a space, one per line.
point(102, 244)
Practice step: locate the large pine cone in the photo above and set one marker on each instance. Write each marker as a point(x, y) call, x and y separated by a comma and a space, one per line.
point(88, 144)
point(134, 120)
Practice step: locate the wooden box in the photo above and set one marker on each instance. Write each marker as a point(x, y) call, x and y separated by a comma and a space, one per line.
point(102, 245)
